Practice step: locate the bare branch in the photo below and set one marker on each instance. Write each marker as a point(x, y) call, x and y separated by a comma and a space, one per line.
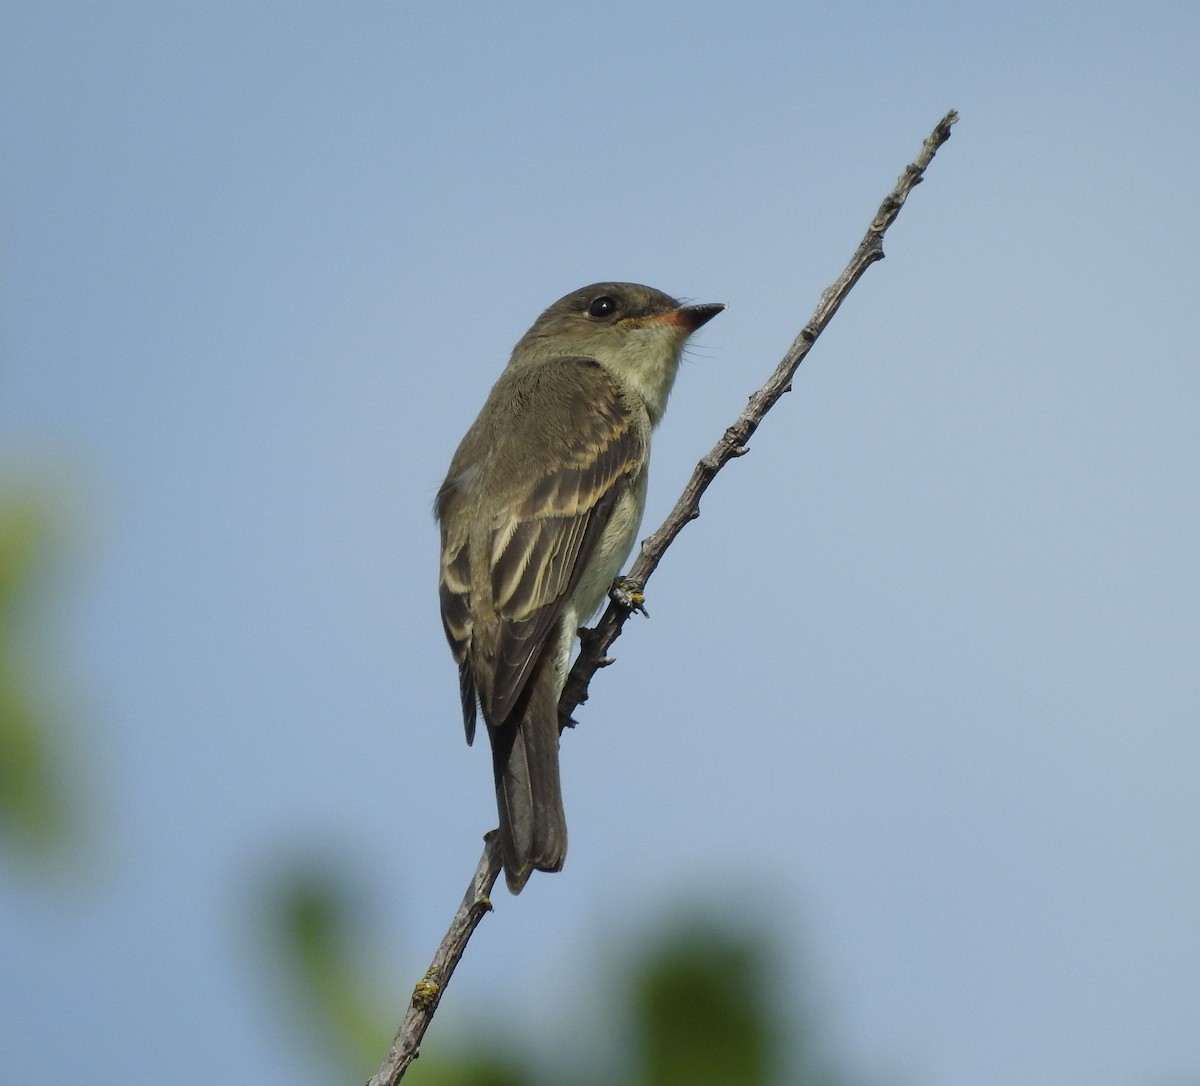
point(476, 904)
point(594, 643)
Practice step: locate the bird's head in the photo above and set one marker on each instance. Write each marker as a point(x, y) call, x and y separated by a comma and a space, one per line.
point(635, 332)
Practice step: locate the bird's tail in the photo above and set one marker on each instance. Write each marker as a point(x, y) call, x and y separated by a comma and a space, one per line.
point(533, 827)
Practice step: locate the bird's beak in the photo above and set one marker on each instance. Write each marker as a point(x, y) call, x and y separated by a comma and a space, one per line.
point(687, 318)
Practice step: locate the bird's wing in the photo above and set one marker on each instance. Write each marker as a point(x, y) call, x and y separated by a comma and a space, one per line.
point(516, 546)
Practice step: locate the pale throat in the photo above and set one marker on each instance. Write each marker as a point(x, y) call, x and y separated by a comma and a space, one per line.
point(649, 367)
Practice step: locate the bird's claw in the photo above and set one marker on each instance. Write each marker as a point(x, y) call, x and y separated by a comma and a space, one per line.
point(629, 593)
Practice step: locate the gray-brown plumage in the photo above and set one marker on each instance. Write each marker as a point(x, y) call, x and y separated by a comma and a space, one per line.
point(538, 512)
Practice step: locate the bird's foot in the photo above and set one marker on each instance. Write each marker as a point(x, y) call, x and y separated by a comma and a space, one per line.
point(630, 594)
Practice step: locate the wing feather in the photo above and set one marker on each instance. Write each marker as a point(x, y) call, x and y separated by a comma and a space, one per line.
point(514, 545)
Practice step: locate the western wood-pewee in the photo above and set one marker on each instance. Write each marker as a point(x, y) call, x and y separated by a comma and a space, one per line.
point(538, 512)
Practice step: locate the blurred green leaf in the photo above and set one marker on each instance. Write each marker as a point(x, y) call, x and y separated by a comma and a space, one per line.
point(702, 1018)
point(475, 1070)
point(313, 917)
point(32, 800)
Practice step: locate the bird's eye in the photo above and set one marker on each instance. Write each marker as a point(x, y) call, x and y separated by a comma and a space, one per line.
point(603, 306)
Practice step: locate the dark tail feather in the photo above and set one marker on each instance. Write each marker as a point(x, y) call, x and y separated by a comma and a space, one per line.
point(533, 828)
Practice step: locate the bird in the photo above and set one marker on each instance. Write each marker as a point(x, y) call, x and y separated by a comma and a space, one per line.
point(537, 514)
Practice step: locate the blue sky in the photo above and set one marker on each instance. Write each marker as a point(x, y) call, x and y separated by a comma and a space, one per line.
point(920, 686)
